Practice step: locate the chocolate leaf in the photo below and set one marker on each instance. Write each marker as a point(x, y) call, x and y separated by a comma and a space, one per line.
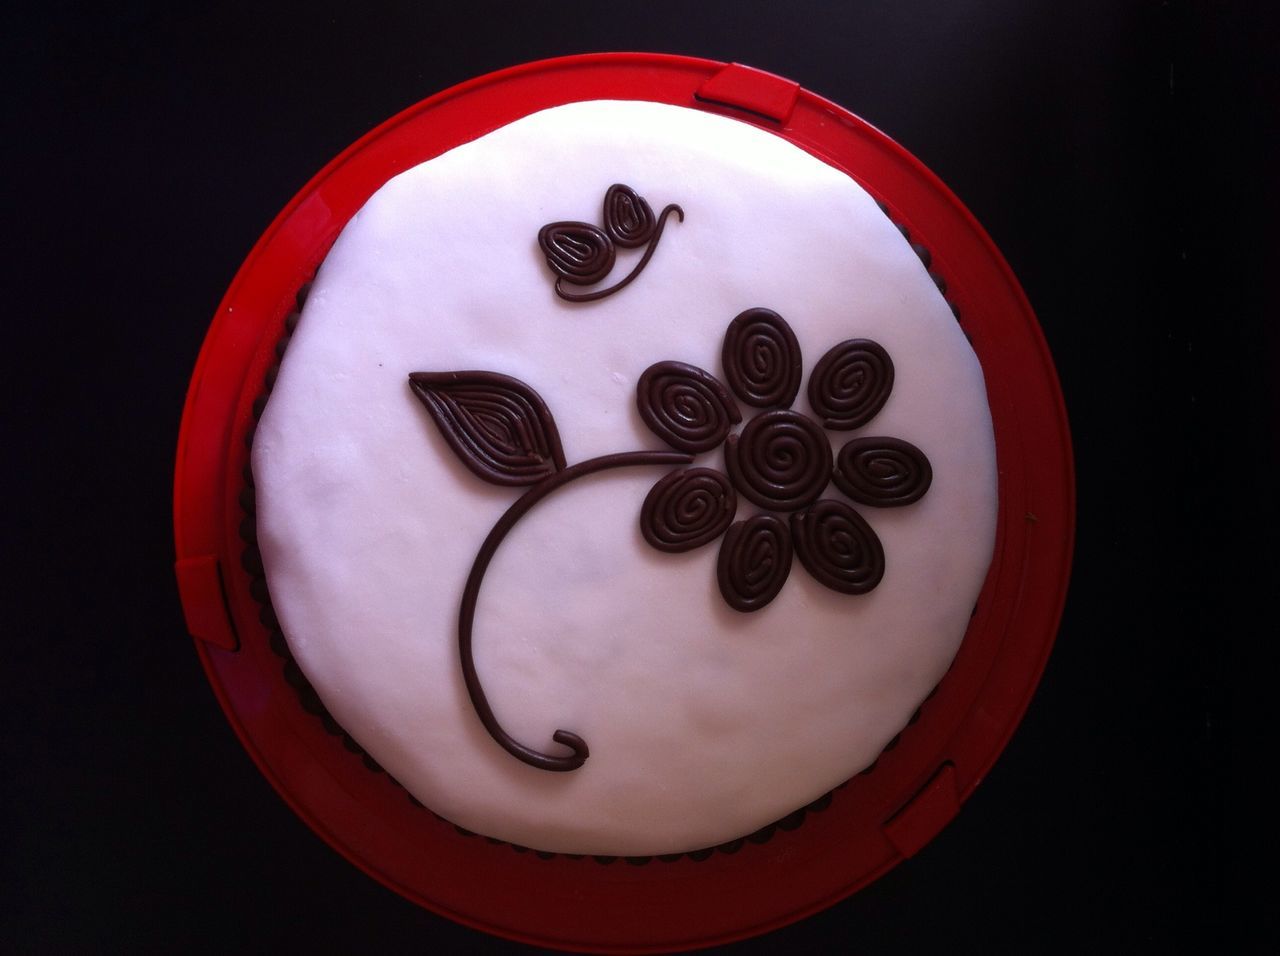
point(578, 252)
point(498, 425)
point(628, 218)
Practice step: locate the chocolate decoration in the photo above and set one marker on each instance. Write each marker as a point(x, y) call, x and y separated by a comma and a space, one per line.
point(761, 358)
point(687, 509)
point(685, 406)
point(781, 461)
point(884, 472)
point(497, 425)
point(838, 547)
point(577, 252)
point(850, 384)
point(628, 218)
point(471, 594)
point(754, 561)
point(644, 261)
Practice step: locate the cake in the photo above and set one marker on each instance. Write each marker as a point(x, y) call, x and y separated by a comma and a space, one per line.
point(627, 482)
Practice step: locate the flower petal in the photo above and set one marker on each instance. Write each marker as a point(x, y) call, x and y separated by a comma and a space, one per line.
point(754, 561)
point(838, 547)
point(850, 384)
point(762, 360)
point(685, 406)
point(883, 472)
point(687, 509)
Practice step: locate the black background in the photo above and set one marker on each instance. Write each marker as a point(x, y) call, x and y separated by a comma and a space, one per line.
point(1115, 153)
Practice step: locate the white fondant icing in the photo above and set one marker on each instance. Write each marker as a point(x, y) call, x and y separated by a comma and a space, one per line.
point(704, 724)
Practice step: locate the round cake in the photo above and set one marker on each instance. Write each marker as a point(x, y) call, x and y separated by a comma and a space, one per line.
point(627, 482)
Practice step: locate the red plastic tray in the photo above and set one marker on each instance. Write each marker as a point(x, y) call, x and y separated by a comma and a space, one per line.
point(874, 821)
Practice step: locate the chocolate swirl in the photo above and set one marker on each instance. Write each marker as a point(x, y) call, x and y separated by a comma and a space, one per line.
point(850, 384)
point(755, 559)
point(686, 509)
point(684, 406)
point(628, 217)
point(762, 359)
point(578, 252)
point(782, 460)
point(838, 547)
point(884, 472)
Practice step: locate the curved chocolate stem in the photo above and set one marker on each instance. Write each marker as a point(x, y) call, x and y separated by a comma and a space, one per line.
point(644, 261)
point(467, 613)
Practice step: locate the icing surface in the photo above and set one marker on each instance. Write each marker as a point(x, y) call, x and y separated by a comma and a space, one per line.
point(705, 723)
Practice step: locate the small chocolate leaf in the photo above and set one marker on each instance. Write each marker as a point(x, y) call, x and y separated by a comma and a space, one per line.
point(628, 218)
point(578, 252)
point(499, 426)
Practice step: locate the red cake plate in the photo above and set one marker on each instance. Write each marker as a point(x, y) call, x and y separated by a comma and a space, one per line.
point(871, 823)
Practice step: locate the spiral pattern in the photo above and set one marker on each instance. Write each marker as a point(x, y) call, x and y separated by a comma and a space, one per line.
point(762, 359)
point(754, 561)
point(684, 406)
point(628, 218)
point(850, 384)
point(782, 460)
point(686, 509)
point(838, 547)
point(577, 251)
point(884, 472)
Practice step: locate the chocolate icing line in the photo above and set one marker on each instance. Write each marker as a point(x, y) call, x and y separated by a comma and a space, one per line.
point(471, 594)
point(644, 261)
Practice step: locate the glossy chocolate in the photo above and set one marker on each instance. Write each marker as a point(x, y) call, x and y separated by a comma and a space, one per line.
point(471, 594)
point(628, 217)
point(838, 547)
point(850, 384)
point(754, 561)
point(497, 425)
point(577, 252)
point(761, 359)
point(582, 254)
point(685, 406)
point(782, 460)
point(884, 472)
point(687, 509)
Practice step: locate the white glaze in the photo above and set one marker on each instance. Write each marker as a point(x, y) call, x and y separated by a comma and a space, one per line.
point(704, 724)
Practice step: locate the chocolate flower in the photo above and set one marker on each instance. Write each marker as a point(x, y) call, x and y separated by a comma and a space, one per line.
point(781, 461)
